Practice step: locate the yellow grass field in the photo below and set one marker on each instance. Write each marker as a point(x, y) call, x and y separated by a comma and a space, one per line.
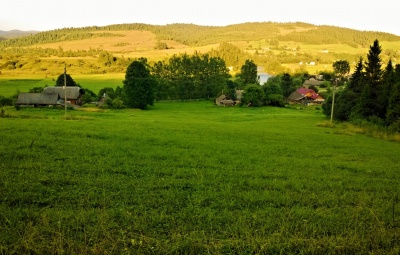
point(133, 44)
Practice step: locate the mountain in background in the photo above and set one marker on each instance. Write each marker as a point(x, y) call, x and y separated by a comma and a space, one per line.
point(16, 33)
point(289, 47)
point(196, 35)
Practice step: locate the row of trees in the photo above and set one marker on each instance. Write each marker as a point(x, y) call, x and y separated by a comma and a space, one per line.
point(52, 37)
point(198, 76)
point(187, 77)
point(372, 93)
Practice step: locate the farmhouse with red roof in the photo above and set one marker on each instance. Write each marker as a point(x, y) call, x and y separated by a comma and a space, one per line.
point(305, 96)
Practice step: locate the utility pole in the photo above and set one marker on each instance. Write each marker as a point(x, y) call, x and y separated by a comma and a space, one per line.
point(65, 88)
point(333, 98)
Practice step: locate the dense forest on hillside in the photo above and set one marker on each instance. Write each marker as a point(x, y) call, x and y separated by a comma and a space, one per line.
point(335, 35)
point(278, 47)
point(192, 35)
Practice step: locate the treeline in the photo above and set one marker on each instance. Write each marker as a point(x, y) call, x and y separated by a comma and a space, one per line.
point(53, 37)
point(47, 52)
point(372, 93)
point(30, 59)
point(195, 35)
point(336, 35)
point(235, 57)
point(184, 77)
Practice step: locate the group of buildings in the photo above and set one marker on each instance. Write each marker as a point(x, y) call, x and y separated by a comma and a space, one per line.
point(73, 95)
point(304, 95)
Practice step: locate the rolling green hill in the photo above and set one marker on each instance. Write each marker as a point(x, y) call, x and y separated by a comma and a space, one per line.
point(277, 46)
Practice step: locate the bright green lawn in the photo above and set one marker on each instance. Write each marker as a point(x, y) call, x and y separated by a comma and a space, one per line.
point(193, 178)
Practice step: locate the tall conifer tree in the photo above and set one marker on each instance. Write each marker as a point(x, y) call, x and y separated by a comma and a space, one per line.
point(373, 74)
point(388, 80)
point(357, 78)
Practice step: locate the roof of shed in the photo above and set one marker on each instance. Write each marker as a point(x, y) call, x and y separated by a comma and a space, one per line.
point(37, 99)
point(72, 92)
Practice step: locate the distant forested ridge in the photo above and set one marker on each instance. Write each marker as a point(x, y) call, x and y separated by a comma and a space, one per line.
point(52, 37)
point(196, 35)
point(337, 35)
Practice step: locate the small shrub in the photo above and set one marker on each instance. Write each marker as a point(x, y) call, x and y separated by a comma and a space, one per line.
point(4, 101)
point(117, 103)
point(326, 124)
point(394, 127)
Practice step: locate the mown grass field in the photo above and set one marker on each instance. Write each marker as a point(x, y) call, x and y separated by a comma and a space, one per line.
point(193, 178)
point(11, 85)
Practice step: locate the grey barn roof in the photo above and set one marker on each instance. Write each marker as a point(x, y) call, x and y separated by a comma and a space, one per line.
point(295, 96)
point(313, 82)
point(72, 92)
point(37, 99)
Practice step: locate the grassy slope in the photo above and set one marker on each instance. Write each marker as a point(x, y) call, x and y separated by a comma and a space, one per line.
point(194, 178)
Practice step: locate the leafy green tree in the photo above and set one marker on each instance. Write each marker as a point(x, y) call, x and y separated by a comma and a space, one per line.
point(313, 87)
point(253, 94)
point(139, 85)
point(286, 85)
point(119, 92)
point(232, 86)
point(163, 90)
point(117, 103)
point(190, 77)
point(36, 90)
point(346, 100)
point(341, 68)
point(106, 91)
point(274, 80)
point(69, 81)
point(106, 58)
point(248, 72)
point(273, 94)
point(161, 46)
point(297, 82)
point(6, 101)
point(88, 96)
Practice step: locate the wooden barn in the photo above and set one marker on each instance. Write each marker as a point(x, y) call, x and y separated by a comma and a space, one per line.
point(37, 99)
point(222, 100)
point(73, 94)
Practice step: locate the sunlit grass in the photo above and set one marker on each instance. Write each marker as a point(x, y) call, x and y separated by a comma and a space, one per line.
point(194, 178)
point(11, 85)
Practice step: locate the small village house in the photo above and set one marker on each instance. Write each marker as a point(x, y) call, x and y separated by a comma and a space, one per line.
point(305, 96)
point(52, 96)
point(312, 82)
point(73, 94)
point(37, 99)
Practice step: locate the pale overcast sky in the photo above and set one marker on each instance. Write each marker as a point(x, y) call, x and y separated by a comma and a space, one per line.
point(383, 15)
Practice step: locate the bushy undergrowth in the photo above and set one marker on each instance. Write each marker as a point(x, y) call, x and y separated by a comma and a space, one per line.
point(193, 178)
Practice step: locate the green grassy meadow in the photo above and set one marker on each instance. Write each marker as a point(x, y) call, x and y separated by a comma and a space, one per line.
point(194, 178)
point(10, 85)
